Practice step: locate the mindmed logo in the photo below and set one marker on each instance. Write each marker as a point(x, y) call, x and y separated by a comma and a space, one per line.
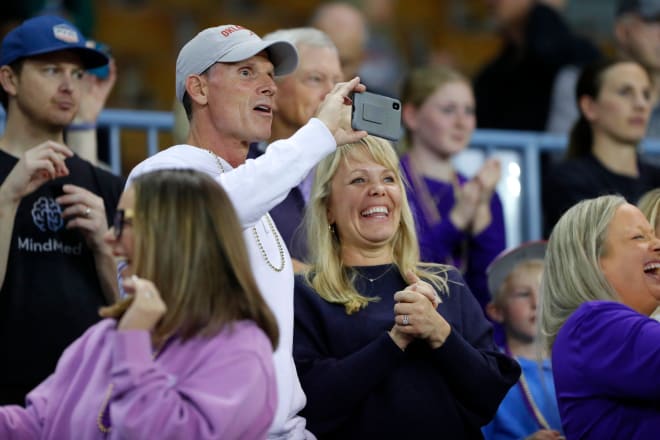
point(47, 214)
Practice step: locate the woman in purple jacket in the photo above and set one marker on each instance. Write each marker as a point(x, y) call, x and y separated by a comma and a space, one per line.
point(459, 221)
point(601, 282)
point(189, 353)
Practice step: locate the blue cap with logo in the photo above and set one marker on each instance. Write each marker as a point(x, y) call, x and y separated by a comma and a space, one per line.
point(45, 34)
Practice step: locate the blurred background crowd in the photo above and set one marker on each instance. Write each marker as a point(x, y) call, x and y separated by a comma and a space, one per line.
point(144, 37)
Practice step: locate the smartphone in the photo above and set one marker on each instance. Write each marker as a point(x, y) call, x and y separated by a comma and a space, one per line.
point(378, 115)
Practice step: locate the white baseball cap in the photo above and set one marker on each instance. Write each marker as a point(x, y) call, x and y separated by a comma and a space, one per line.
point(508, 259)
point(229, 44)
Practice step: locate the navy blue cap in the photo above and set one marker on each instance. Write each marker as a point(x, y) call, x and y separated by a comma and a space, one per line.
point(45, 34)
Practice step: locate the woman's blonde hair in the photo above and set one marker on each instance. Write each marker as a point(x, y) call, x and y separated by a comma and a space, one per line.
point(649, 204)
point(189, 243)
point(327, 273)
point(422, 82)
point(572, 273)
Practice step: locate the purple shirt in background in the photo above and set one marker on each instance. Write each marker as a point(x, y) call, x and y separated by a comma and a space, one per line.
point(443, 243)
point(605, 361)
point(206, 388)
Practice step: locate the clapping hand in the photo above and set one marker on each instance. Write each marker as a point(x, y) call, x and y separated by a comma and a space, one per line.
point(545, 434)
point(488, 176)
point(415, 315)
point(471, 212)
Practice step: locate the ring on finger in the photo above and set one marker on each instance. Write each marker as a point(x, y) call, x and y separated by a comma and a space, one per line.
point(87, 212)
point(405, 320)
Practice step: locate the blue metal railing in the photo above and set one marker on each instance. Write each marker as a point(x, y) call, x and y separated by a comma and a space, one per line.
point(529, 146)
point(150, 121)
point(524, 148)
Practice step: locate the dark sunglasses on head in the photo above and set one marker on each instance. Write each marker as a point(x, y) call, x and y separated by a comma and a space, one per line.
point(122, 217)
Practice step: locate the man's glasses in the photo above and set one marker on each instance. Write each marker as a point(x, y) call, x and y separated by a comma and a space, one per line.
point(122, 217)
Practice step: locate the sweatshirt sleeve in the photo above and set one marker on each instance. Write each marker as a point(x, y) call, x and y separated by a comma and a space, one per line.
point(480, 376)
point(334, 386)
point(230, 395)
point(623, 341)
point(260, 184)
point(18, 423)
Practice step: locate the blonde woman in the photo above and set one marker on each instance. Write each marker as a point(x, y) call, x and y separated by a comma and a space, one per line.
point(189, 354)
point(384, 344)
point(600, 283)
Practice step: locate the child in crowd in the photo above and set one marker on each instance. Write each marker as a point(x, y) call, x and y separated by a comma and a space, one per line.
point(529, 410)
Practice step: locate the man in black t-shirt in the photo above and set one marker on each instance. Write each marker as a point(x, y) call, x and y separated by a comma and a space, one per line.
point(55, 268)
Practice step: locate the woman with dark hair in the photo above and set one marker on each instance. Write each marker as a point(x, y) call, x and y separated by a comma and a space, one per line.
point(188, 355)
point(614, 98)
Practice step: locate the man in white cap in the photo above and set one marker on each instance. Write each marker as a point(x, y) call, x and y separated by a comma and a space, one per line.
point(224, 78)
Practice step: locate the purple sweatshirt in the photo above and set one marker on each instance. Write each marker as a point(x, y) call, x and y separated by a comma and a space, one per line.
point(205, 388)
point(605, 361)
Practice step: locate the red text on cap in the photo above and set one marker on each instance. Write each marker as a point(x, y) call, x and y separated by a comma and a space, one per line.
point(231, 29)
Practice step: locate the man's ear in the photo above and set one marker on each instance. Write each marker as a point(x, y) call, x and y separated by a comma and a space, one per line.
point(197, 89)
point(494, 312)
point(8, 80)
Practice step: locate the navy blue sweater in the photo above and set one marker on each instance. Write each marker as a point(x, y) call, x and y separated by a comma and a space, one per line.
point(359, 384)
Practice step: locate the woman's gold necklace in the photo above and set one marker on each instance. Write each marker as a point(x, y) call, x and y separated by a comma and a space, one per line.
point(371, 280)
point(255, 234)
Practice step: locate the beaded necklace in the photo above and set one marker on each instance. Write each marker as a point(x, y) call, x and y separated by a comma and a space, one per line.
point(255, 234)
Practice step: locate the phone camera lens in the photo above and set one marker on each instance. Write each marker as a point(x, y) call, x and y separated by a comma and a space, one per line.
point(395, 105)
